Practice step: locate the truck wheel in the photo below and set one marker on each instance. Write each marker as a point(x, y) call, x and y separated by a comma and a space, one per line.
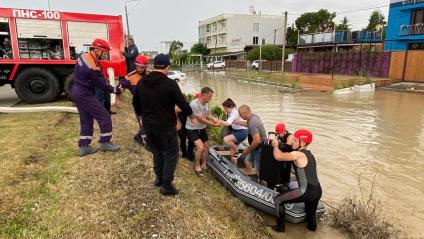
point(69, 82)
point(37, 85)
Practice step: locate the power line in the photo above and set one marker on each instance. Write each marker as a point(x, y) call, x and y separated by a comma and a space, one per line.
point(134, 8)
point(363, 9)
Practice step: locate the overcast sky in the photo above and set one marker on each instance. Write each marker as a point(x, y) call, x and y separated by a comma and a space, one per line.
point(152, 21)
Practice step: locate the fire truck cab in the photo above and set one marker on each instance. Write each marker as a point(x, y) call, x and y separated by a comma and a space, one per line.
point(39, 49)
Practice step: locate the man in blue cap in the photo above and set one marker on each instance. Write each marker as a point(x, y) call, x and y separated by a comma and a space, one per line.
point(154, 100)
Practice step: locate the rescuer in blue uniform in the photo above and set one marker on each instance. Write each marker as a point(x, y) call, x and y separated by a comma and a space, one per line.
point(88, 75)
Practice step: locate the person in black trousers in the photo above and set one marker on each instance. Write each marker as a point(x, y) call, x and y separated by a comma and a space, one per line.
point(154, 100)
point(186, 146)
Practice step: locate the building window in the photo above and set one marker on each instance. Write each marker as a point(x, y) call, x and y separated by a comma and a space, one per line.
point(223, 24)
point(255, 27)
point(255, 40)
point(417, 17)
point(214, 27)
point(208, 28)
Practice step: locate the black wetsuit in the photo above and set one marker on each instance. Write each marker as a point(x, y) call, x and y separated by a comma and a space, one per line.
point(286, 166)
point(309, 192)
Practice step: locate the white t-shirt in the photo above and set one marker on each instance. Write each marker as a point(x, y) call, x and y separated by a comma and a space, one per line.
point(233, 118)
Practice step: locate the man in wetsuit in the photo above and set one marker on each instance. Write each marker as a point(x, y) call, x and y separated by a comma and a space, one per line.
point(309, 190)
point(284, 137)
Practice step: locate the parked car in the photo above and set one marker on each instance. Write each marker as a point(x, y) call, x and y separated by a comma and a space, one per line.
point(255, 64)
point(216, 64)
point(176, 75)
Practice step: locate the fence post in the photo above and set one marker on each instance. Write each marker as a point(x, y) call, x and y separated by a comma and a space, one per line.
point(404, 65)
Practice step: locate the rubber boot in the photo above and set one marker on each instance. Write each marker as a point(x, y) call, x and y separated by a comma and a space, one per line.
point(84, 150)
point(280, 225)
point(311, 223)
point(109, 147)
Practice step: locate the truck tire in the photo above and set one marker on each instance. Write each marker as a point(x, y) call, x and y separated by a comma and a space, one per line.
point(37, 85)
point(69, 83)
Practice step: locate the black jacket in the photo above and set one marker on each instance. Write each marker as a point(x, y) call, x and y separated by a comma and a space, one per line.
point(155, 98)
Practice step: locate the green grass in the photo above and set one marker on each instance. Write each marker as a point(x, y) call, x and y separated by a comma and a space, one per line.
point(50, 192)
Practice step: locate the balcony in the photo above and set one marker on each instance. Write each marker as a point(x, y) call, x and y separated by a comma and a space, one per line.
point(410, 30)
point(409, 2)
point(339, 37)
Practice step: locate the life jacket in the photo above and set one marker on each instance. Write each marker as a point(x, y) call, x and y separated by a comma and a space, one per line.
point(133, 77)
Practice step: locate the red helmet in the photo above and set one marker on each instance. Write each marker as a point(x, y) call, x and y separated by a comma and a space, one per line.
point(280, 128)
point(141, 60)
point(303, 135)
point(101, 44)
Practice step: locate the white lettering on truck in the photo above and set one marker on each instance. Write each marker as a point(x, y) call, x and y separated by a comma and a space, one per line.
point(48, 15)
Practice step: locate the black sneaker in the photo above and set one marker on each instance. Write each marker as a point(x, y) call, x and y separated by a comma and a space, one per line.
point(157, 182)
point(168, 191)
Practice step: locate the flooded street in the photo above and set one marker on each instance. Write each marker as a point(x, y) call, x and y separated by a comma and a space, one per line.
point(364, 135)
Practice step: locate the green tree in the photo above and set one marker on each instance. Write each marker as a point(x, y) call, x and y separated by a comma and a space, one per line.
point(312, 22)
point(292, 36)
point(377, 22)
point(269, 53)
point(175, 48)
point(344, 25)
point(199, 48)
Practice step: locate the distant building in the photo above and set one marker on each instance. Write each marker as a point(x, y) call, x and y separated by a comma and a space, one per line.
point(340, 40)
point(227, 35)
point(405, 29)
point(150, 54)
point(164, 47)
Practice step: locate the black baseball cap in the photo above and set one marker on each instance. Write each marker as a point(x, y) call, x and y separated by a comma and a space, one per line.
point(162, 61)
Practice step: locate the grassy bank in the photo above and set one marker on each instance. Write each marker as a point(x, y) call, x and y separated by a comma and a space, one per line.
point(50, 192)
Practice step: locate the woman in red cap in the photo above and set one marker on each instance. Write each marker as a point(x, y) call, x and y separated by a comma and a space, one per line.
point(304, 163)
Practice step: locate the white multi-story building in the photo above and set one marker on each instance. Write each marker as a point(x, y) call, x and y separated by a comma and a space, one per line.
point(231, 33)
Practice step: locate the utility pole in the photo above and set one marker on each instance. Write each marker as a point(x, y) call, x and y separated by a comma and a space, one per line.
point(48, 2)
point(284, 41)
point(273, 52)
point(260, 56)
point(128, 24)
point(126, 17)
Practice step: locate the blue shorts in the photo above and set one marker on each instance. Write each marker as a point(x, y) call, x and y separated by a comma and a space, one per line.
point(240, 135)
point(255, 158)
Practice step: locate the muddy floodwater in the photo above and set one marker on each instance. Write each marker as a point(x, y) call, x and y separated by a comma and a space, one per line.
point(364, 135)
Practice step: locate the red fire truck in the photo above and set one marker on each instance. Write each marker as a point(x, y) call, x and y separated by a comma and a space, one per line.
point(39, 49)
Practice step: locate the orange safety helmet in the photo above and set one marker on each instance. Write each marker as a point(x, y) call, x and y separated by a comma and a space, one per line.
point(280, 128)
point(142, 60)
point(100, 44)
point(303, 135)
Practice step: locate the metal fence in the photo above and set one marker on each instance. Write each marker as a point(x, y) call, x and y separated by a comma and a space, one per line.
point(375, 64)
